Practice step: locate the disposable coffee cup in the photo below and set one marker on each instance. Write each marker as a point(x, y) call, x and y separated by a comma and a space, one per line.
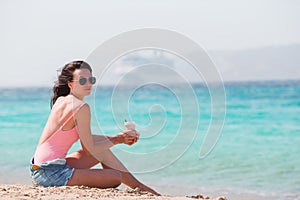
point(130, 126)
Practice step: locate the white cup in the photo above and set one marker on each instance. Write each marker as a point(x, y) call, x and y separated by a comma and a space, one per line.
point(131, 126)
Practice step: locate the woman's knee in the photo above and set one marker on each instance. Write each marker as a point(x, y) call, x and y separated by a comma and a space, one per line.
point(117, 177)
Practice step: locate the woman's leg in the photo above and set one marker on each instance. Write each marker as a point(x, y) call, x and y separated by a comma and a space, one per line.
point(110, 161)
point(83, 175)
point(81, 160)
point(101, 178)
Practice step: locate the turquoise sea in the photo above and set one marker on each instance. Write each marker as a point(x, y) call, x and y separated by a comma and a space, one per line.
point(256, 154)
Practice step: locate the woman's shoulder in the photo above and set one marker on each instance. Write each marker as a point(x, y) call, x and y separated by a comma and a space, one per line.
point(83, 108)
point(69, 103)
point(61, 103)
point(62, 100)
point(82, 111)
point(76, 103)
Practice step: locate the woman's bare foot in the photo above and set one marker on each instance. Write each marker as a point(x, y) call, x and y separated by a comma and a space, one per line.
point(147, 189)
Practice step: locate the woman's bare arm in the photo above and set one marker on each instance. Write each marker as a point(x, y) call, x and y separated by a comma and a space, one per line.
point(98, 143)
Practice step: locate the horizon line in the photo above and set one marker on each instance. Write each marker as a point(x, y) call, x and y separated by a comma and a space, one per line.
point(192, 83)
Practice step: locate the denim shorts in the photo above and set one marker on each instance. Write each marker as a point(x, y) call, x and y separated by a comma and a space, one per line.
point(53, 173)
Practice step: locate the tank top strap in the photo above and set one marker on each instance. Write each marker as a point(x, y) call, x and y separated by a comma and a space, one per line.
point(72, 115)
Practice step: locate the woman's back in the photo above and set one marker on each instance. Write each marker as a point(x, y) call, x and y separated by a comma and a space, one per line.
point(60, 131)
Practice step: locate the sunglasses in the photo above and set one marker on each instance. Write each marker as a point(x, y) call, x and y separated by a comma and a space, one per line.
point(82, 81)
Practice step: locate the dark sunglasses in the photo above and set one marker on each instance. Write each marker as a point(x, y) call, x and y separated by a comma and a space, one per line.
point(82, 81)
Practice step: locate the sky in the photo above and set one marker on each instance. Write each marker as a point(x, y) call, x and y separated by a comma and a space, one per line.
point(38, 37)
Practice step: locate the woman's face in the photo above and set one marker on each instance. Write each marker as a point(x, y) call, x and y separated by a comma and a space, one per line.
point(76, 85)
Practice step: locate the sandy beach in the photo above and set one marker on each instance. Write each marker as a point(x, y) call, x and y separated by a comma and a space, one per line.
point(17, 191)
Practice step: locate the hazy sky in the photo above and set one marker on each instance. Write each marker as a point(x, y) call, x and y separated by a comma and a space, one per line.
point(37, 37)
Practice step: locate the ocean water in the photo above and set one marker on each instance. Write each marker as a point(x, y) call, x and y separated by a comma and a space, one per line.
point(257, 152)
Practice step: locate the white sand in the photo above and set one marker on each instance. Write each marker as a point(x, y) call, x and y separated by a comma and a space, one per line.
point(81, 192)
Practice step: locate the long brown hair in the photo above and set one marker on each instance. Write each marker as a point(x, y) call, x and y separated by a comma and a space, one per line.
point(61, 87)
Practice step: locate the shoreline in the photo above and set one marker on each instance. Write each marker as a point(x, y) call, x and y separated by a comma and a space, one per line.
point(18, 191)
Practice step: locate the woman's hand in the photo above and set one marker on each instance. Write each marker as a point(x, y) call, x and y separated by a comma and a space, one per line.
point(128, 137)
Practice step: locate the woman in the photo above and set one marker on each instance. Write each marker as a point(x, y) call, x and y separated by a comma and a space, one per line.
point(69, 121)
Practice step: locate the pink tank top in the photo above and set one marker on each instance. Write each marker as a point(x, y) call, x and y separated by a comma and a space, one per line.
point(58, 144)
